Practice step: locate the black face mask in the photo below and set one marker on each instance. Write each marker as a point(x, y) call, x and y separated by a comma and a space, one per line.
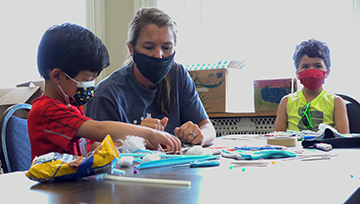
point(152, 68)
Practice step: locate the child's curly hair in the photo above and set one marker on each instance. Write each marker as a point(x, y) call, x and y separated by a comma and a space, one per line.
point(312, 48)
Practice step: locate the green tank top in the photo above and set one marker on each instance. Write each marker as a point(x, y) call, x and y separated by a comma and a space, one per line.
point(321, 110)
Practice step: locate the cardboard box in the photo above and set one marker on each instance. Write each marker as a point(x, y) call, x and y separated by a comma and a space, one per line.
point(40, 83)
point(12, 96)
point(223, 86)
point(268, 93)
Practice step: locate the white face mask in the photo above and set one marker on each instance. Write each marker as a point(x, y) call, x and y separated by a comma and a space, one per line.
point(84, 92)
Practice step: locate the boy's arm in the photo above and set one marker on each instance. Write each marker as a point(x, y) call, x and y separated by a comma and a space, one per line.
point(340, 116)
point(97, 131)
point(281, 117)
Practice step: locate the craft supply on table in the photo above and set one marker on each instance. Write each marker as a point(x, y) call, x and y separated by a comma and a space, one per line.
point(132, 144)
point(151, 157)
point(263, 154)
point(219, 147)
point(162, 156)
point(118, 172)
point(260, 148)
point(144, 180)
point(195, 150)
point(199, 150)
point(316, 158)
point(323, 146)
point(279, 134)
point(311, 157)
point(125, 161)
point(175, 161)
point(282, 141)
point(249, 164)
point(236, 137)
point(308, 137)
point(210, 163)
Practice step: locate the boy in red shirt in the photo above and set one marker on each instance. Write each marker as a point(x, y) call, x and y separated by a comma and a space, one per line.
point(70, 58)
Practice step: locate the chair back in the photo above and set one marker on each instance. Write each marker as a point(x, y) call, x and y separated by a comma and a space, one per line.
point(15, 149)
point(353, 112)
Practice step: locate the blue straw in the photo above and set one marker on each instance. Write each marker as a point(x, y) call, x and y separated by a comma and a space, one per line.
point(175, 161)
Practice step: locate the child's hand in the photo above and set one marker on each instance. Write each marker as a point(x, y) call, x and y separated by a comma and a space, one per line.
point(189, 133)
point(155, 123)
point(165, 140)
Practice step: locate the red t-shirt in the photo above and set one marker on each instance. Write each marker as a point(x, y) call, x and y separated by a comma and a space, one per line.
point(52, 127)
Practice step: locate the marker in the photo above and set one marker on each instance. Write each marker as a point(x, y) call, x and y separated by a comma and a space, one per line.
point(323, 146)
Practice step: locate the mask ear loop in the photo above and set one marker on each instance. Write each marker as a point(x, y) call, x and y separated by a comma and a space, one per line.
point(71, 78)
point(82, 84)
point(67, 100)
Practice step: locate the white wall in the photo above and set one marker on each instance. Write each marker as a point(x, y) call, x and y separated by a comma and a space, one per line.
point(22, 25)
point(263, 52)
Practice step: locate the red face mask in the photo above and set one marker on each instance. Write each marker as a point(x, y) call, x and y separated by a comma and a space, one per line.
point(312, 79)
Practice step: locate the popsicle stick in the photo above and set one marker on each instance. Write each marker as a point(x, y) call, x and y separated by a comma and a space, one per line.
point(148, 180)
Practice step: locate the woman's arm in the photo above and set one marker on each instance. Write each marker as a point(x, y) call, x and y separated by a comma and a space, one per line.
point(208, 130)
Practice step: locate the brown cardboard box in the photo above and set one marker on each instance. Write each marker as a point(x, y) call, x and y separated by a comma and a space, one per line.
point(223, 86)
point(12, 96)
point(40, 83)
point(268, 93)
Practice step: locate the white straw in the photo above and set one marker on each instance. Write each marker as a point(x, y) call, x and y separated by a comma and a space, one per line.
point(148, 180)
point(248, 162)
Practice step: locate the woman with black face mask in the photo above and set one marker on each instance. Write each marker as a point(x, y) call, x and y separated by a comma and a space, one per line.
point(152, 90)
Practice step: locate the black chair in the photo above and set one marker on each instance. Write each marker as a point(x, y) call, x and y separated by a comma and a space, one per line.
point(15, 149)
point(353, 112)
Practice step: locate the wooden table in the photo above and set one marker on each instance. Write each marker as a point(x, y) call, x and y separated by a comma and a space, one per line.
point(293, 181)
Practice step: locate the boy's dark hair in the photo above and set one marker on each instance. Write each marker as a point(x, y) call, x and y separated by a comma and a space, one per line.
point(71, 48)
point(312, 48)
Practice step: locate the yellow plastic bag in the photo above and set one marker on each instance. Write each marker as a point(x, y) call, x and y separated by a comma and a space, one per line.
point(60, 167)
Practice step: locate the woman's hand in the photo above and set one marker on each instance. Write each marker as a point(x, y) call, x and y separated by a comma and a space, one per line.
point(154, 123)
point(189, 133)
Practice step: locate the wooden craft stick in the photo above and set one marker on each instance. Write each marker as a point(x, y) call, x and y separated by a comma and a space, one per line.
point(148, 180)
